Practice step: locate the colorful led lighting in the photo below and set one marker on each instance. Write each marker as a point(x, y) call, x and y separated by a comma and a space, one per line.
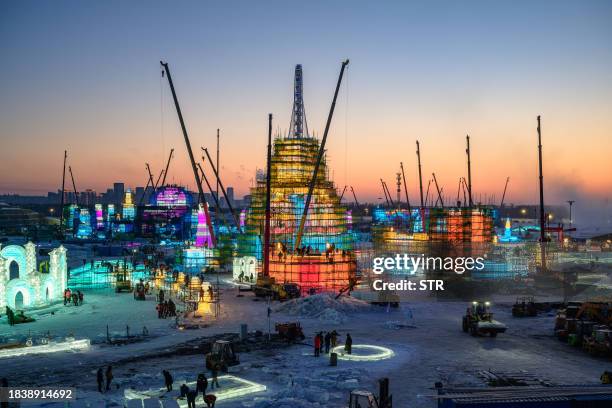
point(381, 353)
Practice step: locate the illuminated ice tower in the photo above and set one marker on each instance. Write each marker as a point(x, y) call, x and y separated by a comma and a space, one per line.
point(325, 258)
point(129, 211)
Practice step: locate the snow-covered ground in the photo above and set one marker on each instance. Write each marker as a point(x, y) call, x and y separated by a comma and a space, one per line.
point(425, 336)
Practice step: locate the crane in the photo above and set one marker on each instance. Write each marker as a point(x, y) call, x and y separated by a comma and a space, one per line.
point(63, 189)
point(439, 191)
point(382, 183)
point(229, 204)
point(405, 187)
point(504, 194)
point(469, 169)
point(298, 238)
point(354, 196)
point(542, 217)
point(188, 144)
point(342, 195)
point(266, 255)
point(167, 165)
point(76, 195)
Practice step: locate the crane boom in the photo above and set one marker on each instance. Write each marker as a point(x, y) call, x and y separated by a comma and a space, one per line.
point(76, 195)
point(354, 196)
point(469, 169)
point(229, 204)
point(266, 254)
point(542, 218)
point(63, 190)
point(298, 238)
point(188, 144)
point(167, 165)
point(504, 194)
point(405, 187)
point(438, 189)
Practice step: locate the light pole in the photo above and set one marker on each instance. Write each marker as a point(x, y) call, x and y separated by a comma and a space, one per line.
point(570, 202)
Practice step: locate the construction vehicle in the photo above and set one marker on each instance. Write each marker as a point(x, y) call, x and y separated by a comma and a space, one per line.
point(266, 286)
point(600, 343)
point(123, 280)
point(524, 307)
point(291, 331)
point(365, 399)
point(478, 320)
point(222, 356)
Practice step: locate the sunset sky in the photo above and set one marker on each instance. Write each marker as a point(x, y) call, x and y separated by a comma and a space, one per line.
point(85, 76)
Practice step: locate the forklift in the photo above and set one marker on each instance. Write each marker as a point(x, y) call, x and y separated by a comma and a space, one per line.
point(222, 356)
point(478, 320)
point(365, 399)
point(524, 307)
point(123, 280)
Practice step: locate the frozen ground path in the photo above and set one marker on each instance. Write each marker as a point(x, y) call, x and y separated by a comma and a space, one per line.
point(434, 350)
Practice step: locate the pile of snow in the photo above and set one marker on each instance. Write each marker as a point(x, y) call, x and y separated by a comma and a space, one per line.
point(324, 307)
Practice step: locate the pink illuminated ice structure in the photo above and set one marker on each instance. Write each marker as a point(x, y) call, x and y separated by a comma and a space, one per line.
point(203, 238)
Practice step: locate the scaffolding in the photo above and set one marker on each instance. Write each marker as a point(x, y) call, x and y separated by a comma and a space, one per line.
point(326, 259)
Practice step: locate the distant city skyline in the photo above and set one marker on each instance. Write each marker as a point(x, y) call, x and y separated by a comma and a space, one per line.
point(85, 77)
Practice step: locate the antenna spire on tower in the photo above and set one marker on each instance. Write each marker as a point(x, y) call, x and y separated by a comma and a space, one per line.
point(298, 128)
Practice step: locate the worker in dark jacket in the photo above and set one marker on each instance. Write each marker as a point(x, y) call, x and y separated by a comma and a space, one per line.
point(100, 379)
point(109, 377)
point(327, 342)
point(168, 380)
point(348, 345)
point(202, 384)
point(191, 398)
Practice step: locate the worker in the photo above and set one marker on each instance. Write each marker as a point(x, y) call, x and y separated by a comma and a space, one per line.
point(334, 338)
point(321, 341)
point(67, 296)
point(327, 342)
point(191, 398)
point(109, 377)
point(202, 384)
point(100, 379)
point(161, 296)
point(317, 345)
point(606, 377)
point(184, 390)
point(214, 373)
point(348, 345)
point(80, 296)
point(168, 379)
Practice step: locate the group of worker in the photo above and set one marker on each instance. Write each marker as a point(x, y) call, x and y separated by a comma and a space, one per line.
point(166, 309)
point(327, 342)
point(101, 375)
point(201, 387)
point(76, 298)
point(13, 318)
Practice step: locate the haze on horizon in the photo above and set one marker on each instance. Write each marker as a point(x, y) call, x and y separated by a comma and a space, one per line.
point(86, 77)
